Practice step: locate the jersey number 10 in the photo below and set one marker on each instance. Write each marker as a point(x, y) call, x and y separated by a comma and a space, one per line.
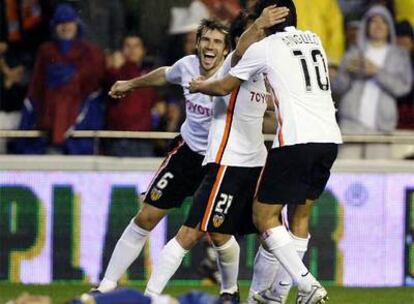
point(321, 74)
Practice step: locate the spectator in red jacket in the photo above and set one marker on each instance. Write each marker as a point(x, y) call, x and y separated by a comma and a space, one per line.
point(135, 111)
point(67, 70)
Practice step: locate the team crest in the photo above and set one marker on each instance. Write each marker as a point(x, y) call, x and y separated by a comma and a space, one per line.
point(218, 220)
point(156, 194)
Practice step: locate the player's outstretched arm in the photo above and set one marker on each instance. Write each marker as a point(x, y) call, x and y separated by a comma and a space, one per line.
point(154, 78)
point(270, 16)
point(221, 87)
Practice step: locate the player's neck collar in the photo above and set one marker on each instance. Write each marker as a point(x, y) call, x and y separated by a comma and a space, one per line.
point(290, 29)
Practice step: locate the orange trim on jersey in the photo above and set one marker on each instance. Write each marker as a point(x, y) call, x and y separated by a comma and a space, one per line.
point(259, 180)
point(212, 198)
point(280, 134)
point(164, 164)
point(279, 115)
point(229, 120)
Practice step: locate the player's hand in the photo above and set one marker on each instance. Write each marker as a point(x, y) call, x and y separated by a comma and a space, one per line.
point(271, 16)
point(195, 84)
point(120, 89)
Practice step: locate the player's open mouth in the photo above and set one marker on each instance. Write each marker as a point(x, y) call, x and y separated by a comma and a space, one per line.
point(209, 57)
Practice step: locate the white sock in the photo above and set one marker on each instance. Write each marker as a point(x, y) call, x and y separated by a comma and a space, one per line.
point(126, 251)
point(162, 299)
point(169, 260)
point(264, 271)
point(283, 281)
point(228, 256)
point(278, 241)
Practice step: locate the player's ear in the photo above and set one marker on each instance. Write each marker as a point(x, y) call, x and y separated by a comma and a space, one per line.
point(226, 52)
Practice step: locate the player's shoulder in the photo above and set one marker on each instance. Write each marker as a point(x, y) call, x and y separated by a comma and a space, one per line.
point(227, 61)
point(260, 46)
point(292, 31)
point(190, 60)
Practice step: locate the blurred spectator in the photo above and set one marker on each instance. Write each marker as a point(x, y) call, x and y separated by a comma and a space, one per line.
point(249, 5)
point(13, 87)
point(325, 19)
point(67, 71)
point(135, 111)
point(104, 21)
point(370, 78)
point(355, 9)
point(389, 4)
point(405, 40)
point(225, 10)
point(404, 10)
point(154, 30)
point(24, 26)
point(19, 20)
point(352, 29)
point(132, 14)
point(182, 30)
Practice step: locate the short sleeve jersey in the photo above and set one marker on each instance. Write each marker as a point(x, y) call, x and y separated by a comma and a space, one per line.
point(196, 126)
point(295, 65)
point(236, 137)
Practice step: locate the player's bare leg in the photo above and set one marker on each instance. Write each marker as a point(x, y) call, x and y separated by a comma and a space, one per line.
point(299, 219)
point(149, 216)
point(277, 240)
point(130, 245)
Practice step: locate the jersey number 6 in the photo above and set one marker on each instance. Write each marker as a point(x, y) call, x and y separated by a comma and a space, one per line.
point(163, 182)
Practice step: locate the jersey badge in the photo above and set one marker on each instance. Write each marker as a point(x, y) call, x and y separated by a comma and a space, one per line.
point(218, 220)
point(156, 194)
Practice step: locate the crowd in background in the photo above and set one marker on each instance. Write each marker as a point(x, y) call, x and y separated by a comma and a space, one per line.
point(59, 58)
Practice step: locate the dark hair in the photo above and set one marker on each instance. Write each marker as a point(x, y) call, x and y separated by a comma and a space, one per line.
point(132, 35)
point(291, 19)
point(404, 28)
point(238, 26)
point(212, 24)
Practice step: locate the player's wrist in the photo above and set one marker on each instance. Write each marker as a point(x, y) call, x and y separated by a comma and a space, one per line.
point(259, 24)
point(131, 85)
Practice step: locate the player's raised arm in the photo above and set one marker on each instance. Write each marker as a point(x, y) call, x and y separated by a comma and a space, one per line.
point(270, 16)
point(154, 78)
point(220, 87)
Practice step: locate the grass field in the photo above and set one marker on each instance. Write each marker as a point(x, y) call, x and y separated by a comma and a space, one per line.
point(62, 292)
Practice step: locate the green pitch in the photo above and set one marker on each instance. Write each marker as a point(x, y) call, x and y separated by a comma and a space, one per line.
point(62, 292)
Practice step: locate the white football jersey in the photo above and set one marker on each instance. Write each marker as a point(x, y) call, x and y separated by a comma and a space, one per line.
point(295, 65)
point(198, 106)
point(236, 137)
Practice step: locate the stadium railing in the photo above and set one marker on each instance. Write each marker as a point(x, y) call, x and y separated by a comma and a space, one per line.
point(403, 138)
point(397, 137)
point(401, 141)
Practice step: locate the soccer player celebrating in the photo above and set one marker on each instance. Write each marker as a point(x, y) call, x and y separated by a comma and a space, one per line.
point(298, 165)
point(181, 172)
point(222, 205)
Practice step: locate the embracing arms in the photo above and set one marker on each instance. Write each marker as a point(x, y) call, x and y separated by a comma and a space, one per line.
point(154, 78)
